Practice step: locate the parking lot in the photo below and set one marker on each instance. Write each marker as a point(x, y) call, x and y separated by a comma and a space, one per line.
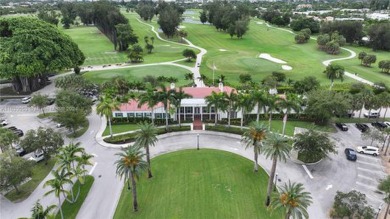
point(367, 170)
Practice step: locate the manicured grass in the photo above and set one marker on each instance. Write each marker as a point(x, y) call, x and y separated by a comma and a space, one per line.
point(243, 54)
point(96, 47)
point(206, 184)
point(277, 126)
point(70, 210)
point(40, 171)
point(137, 74)
point(119, 128)
point(372, 73)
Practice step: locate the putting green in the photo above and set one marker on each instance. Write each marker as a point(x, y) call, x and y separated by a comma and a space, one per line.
point(199, 184)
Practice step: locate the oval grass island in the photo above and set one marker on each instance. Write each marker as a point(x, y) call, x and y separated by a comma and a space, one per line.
point(199, 184)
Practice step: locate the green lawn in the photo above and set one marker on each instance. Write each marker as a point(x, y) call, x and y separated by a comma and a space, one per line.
point(70, 210)
point(119, 128)
point(40, 171)
point(372, 73)
point(277, 126)
point(136, 74)
point(206, 184)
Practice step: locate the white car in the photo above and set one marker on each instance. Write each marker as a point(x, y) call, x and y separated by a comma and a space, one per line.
point(387, 123)
point(26, 100)
point(4, 122)
point(368, 150)
point(37, 156)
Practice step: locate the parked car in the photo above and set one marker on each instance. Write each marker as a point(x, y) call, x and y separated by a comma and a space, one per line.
point(387, 123)
point(26, 100)
point(18, 132)
point(371, 114)
point(379, 125)
point(368, 150)
point(342, 126)
point(19, 150)
point(59, 125)
point(12, 128)
point(4, 122)
point(37, 156)
point(350, 154)
point(50, 101)
point(362, 127)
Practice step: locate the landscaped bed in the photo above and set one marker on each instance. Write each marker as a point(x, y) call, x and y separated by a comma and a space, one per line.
point(199, 184)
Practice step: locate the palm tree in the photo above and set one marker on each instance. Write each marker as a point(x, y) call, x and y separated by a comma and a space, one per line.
point(334, 71)
point(146, 137)
point(218, 101)
point(293, 199)
point(38, 212)
point(177, 97)
point(272, 103)
point(150, 98)
point(57, 186)
point(259, 98)
point(253, 138)
point(356, 101)
point(83, 160)
point(276, 148)
point(286, 105)
point(165, 96)
point(245, 103)
point(385, 98)
point(384, 186)
point(231, 102)
point(130, 165)
point(105, 107)
point(189, 76)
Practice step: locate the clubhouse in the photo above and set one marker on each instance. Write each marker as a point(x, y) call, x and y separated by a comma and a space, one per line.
point(191, 108)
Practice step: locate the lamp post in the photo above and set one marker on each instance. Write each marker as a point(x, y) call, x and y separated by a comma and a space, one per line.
point(197, 141)
point(379, 210)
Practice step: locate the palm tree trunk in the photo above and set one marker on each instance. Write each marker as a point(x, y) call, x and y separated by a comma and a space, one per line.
point(134, 192)
point(166, 118)
point(229, 118)
point(179, 116)
point(109, 125)
point(384, 116)
point(255, 158)
point(148, 160)
point(242, 118)
point(271, 181)
point(258, 113)
point(59, 205)
point(152, 116)
point(288, 214)
point(284, 124)
point(216, 116)
point(270, 120)
point(387, 211)
point(360, 113)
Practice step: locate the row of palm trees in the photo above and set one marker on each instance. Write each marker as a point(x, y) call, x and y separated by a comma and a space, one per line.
point(72, 161)
point(166, 96)
point(276, 148)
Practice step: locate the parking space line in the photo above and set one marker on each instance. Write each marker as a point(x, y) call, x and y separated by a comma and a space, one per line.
point(381, 173)
point(367, 163)
point(372, 188)
point(93, 168)
point(369, 157)
point(307, 171)
point(369, 178)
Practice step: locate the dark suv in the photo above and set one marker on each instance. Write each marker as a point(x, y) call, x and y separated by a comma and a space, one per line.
point(379, 125)
point(350, 154)
point(362, 127)
point(342, 126)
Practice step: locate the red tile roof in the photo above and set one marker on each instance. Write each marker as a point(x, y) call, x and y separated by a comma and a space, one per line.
point(195, 92)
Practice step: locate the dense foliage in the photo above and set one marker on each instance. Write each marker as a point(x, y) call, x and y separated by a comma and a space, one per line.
point(30, 49)
point(351, 30)
point(352, 205)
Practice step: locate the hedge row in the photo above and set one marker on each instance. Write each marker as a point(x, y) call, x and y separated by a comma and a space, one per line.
point(131, 137)
point(221, 128)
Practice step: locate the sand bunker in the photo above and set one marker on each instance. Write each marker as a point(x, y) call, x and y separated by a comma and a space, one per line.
point(182, 27)
point(272, 59)
point(286, 67)
point(222, 50)
point(259, 22)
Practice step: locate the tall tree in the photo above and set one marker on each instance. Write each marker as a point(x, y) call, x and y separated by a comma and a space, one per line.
point(165, 96)
point(260, 99)
point(275, 147)
point(7, 138)
point(125, 36)
point(288, 104)
point(150, 98)
point(43, 139)
point(334, 71)
point(169, 19)
point(33, 48)
point(384, 186)
point(57, 186)
point(218, 101)
point(178, 96)
point(272, 104)
point(231, 99)
point(14, 171)
point(105, 107)
point(129, 166)
point(246, 104)
point(189, 54)
point(293, 200)
point(40, 101)
point(146, 137)
point(253, 137)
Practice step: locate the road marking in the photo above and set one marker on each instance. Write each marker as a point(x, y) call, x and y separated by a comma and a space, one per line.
point(367, 163)
point(369, 178)
point(379, 172)
point(307, 171)
point(329, 187)
point(93, 168)
point(94, 155)
point(373, 188)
